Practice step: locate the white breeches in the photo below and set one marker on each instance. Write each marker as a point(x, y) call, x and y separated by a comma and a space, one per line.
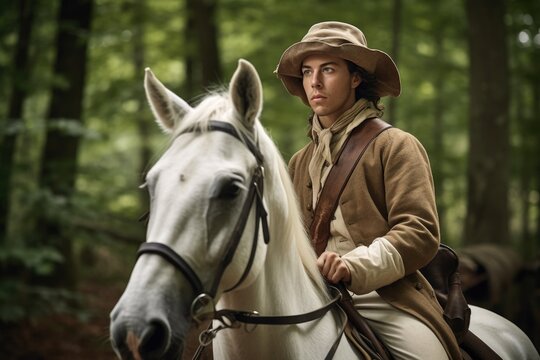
point(405, 336)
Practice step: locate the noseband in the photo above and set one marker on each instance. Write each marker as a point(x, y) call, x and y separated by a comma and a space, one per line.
point(255, 195)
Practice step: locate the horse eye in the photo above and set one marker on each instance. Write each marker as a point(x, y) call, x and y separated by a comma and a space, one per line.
point(230, 190)
point(227, 187)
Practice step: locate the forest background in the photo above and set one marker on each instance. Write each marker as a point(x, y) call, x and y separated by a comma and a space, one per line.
point(77, 136)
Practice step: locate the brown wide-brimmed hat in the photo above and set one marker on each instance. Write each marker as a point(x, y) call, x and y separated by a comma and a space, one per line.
point(344, 41)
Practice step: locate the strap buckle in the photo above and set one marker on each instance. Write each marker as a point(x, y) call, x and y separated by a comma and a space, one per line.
point(203, 308)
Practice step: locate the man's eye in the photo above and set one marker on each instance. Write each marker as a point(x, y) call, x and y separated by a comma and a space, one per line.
point(306, 72)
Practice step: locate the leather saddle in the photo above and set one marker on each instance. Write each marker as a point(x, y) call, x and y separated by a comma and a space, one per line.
point(442, 273)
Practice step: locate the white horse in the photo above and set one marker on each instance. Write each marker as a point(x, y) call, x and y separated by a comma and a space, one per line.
point(199, 190)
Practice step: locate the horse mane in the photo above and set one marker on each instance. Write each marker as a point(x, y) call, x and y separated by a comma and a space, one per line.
point(217, 106)
point(295, 230)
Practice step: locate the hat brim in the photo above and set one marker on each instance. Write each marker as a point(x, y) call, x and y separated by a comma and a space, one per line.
point(374, 61)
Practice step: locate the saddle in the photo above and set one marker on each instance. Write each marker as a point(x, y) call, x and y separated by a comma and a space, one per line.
point(442, 272)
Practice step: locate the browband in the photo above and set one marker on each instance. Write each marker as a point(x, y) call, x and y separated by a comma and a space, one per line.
point(215, 125)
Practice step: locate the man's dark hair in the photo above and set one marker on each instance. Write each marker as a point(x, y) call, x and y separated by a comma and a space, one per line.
point(366, 89)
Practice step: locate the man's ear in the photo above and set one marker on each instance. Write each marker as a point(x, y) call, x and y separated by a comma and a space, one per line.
point(356, 80)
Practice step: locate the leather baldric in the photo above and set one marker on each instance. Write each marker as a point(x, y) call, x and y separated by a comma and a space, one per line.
point(346, 160)
point(348, 157)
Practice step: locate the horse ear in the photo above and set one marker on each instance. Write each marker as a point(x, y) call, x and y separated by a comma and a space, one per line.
point(167, 107)
point(246, 92)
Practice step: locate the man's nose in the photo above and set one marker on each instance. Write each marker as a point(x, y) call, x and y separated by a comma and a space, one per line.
point(316, 80)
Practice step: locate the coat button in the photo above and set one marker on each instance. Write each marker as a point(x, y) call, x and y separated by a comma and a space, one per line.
point(309, 185)
point(418, 286)
point(308, 207)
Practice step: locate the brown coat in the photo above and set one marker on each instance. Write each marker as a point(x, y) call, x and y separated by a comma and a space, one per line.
point(390, 194)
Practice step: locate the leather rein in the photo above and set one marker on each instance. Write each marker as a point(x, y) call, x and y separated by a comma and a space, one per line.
point(203, 306)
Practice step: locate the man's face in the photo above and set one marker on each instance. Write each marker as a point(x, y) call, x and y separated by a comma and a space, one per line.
point(329, 86)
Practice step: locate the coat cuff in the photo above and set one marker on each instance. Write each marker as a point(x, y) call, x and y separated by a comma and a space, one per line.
point(373, 266)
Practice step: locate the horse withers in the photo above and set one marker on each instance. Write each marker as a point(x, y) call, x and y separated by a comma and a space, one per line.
point(225, 232)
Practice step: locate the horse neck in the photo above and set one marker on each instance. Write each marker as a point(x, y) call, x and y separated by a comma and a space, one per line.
point(288, 284)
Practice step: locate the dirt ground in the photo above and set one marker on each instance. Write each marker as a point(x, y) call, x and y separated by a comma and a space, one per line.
point(66, 336)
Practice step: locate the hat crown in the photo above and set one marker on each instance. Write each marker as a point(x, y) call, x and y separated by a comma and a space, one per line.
point(335, 33)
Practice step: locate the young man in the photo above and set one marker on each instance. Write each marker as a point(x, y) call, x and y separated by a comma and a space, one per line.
point(385, 227)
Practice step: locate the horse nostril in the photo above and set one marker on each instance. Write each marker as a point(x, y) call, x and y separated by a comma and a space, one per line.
point(155, 339)
point(118, 338)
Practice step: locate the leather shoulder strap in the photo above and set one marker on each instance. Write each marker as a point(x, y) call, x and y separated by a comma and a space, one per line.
point(349, 155)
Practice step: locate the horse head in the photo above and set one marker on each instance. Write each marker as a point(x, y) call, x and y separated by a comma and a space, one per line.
point(205, 198)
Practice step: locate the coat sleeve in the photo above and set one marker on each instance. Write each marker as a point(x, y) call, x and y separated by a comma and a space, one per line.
point(373, 266)
point(410, 201)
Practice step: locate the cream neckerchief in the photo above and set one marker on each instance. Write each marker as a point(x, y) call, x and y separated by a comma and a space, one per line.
point(327, 140)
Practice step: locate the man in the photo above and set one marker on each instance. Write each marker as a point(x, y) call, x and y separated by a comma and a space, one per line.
point(385, 227)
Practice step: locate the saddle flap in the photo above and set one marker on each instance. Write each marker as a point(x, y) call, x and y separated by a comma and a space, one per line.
point(442, 273)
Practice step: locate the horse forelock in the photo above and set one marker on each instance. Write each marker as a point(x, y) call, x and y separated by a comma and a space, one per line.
point(215, 106)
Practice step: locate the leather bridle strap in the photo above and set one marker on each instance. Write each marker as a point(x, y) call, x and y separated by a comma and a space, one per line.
point(254, 194)
point(172, 257)
point(260, 218)
point(237, 232)
point(253, 318)
point(216, 125)
point(227, 316)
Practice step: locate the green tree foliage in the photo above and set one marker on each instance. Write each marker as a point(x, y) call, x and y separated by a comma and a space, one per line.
point(433, 63)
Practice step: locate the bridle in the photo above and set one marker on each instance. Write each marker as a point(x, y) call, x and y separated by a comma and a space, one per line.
point(255, 195)
point(205, 297)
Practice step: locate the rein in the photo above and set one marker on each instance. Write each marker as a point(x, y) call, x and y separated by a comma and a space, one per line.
point(205, 299)
point(231, 319)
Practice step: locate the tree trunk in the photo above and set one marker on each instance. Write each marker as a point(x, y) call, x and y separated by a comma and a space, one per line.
point(20, 86)
point(488, 165)
point(64, 125)
point(202, 18)
point(533, 246)
point(192, 82)
point(143, 125)
point(438, 120)
point(438, 131)
point(396, 44)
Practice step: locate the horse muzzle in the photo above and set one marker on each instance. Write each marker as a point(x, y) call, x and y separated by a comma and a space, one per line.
point(145, 335)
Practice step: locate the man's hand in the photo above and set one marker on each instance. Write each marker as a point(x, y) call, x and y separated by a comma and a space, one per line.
point(333, 268)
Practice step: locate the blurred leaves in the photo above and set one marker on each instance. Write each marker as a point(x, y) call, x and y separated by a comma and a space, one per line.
point(107, 201)
point(37, 260)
